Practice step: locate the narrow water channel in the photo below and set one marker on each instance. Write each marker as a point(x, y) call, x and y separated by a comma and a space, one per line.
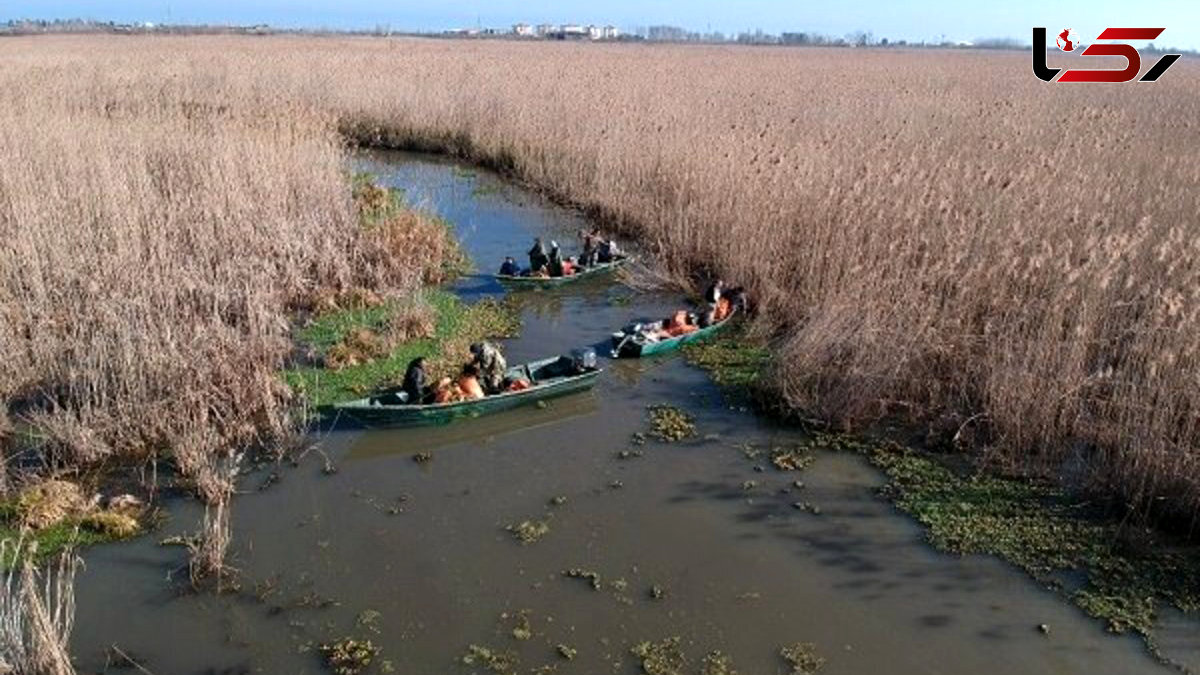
point(415, 556)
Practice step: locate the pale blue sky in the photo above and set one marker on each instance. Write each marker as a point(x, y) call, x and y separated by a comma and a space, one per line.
point(896, 19)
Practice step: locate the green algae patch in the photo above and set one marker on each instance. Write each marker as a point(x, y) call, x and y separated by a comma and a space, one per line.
point(665, 657)
point(717, 663)
point(348, 656)
point(792, 459)
point(1048, 533)
point(732, 359)
point(566, 651)
point(669, 424)
point(522, 627)
point(803, 658)
point(454, 326)
point(494, 660)
point(529, 531)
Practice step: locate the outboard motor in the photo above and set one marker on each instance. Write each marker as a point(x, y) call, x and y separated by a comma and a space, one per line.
point(583, 359)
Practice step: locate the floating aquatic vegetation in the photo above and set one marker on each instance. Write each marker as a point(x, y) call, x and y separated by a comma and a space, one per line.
point(567, 652)
point(616, 485)
point(807, 506)
point(558, 500)
point(522, 628)
point(638, 438)
point(657, 592)
point(422, 457)
point(669, 424)
point(794, 459)
point(803, 658)
point(348, 656)
point(749, 485)
point(494, 660)
point(579, 573)
point(716, 663)
point(629, 454)
point(665, 657)
point(529, 531)
point(369, 619)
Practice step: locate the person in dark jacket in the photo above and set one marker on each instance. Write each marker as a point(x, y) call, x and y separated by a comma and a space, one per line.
point(712, 298)
point(415, 384)
point(591, 247)
point(510, 268)
point(555, 261)
point(537, 257)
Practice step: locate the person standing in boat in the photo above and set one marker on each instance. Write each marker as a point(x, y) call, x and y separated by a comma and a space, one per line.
point(555, 265)
point(591, 247)
point(510, 268)
point(712, 298)
point(492, 366)
point(537, 257)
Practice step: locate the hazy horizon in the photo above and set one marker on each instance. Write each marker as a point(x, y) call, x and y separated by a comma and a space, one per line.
point(931, 21)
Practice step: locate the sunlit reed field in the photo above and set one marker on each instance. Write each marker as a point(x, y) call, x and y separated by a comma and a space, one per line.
point(932, 237)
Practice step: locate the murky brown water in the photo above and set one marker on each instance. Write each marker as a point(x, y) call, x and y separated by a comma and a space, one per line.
point(424, 545)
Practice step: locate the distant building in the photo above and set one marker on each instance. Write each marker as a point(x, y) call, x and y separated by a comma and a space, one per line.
point(611, 33)
point(545, 30)
point(523, 30)
point(573, 30)
point(595, 32)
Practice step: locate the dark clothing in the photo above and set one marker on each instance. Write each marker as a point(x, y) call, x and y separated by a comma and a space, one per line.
point(537, 258)
point(510, 269)
point(713, 295)
point(555, 263)
point(414, 384)
point(591, 250)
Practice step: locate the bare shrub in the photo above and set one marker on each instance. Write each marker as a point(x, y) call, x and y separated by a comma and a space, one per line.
point(37, 612)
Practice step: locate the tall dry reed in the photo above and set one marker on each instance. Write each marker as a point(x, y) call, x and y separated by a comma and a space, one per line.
point(37, 612)
point(936, 235)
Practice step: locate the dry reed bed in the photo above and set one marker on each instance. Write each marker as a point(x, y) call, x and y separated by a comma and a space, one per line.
point(938, 235)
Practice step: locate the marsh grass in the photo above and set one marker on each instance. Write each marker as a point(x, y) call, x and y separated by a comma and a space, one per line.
point(937, 237)
point(455, 325)
point(37, 611)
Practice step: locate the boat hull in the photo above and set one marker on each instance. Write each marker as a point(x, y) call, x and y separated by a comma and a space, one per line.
point(540, 282)
point(633, 349)
point(371, 412)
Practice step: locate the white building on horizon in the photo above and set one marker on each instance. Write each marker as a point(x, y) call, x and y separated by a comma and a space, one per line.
point(524, 30)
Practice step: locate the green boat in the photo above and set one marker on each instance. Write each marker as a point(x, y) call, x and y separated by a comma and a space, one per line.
point(549, 378)
point(583, 273)
point(632, 343)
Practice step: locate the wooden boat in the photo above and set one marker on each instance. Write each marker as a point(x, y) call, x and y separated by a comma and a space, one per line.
point(631, 343)
point(583, 273)
point(549, 378)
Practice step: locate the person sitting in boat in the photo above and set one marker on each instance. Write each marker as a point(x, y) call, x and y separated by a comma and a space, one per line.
point(537, 258)
point(510, 268)
point(678, 324)
point(591, 247)
point(738, 302)
point(609, 251)
point(468, 383)
point(712, 301)
point(492, 366)
point(446, 391)
point(414, 383)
